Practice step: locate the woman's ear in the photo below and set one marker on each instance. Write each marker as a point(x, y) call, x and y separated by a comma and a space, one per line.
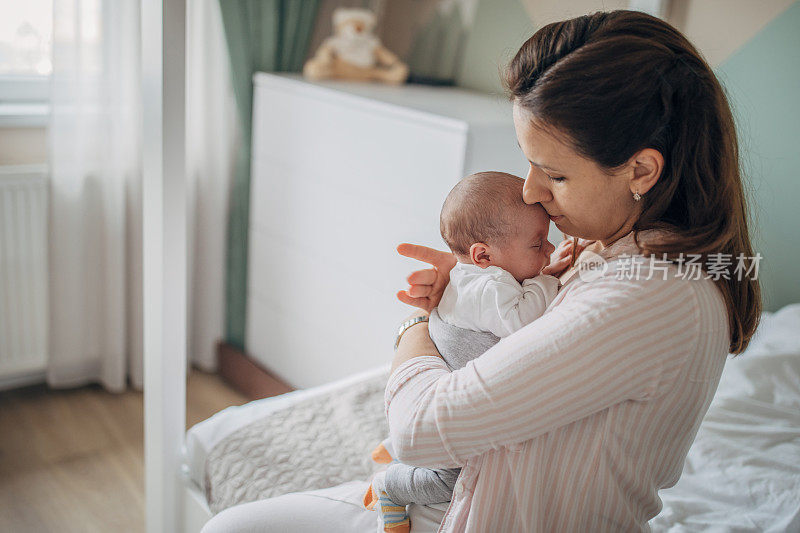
point(479, 254)
point(647, 166)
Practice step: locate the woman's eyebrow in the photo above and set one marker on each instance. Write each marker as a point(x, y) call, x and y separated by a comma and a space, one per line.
point(542, 165)
point(539, 165)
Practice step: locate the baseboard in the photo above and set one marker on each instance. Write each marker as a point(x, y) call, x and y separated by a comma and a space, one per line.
point(247, 376)
point(24, 380)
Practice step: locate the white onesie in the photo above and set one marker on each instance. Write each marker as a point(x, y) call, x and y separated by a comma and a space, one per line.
point(490, 299)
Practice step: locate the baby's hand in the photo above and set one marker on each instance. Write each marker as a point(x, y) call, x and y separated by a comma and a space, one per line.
point(560, 258)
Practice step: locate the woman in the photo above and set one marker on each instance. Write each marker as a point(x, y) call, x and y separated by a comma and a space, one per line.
point(576, 421)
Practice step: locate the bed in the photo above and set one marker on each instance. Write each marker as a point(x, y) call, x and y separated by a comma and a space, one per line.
point(741, 474)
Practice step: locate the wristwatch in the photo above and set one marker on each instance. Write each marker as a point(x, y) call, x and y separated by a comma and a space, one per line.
point(407, 324)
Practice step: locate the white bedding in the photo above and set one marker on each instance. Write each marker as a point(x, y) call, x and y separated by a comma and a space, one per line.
point(743, 469)
point(742, 472)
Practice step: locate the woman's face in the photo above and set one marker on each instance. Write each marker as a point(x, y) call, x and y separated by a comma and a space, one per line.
point(581, 200)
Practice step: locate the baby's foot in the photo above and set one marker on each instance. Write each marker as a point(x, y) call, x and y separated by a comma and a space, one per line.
point(381, 455)
point(395, 519)
point(393, 516)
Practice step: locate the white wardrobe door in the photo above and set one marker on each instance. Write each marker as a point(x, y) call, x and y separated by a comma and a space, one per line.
point(335, 188)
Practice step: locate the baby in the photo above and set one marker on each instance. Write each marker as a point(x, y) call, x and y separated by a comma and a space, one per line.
point(496, 286)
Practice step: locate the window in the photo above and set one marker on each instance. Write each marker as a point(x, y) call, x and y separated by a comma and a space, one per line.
point(26, 36)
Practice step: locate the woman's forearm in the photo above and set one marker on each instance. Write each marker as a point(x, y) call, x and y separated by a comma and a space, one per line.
point(570, 363)
point(415, 342)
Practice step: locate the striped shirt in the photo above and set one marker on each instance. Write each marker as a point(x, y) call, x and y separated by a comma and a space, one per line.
point(574, 422)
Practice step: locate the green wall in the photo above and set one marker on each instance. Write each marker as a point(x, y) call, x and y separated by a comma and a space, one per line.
point(499, 29)
point(763, 82)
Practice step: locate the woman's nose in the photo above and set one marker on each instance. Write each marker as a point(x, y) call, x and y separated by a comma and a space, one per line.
point(533, 192)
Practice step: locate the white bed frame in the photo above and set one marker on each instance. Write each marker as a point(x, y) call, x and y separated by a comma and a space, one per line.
point(195, 511)
point(169, 506)
point(173, 502)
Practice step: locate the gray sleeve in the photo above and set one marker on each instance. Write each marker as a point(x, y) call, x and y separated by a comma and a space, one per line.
point(457, 345)
point(412, 484)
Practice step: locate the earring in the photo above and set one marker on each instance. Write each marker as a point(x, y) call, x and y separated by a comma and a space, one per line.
point(637, 196)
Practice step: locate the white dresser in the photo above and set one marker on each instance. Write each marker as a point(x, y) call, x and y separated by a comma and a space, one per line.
point(342, 173)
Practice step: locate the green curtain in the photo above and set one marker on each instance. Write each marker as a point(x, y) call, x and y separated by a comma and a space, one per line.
point(262, 36)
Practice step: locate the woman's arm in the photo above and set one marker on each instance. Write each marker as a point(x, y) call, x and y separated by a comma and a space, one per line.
point(611, 341)
point(415, 342)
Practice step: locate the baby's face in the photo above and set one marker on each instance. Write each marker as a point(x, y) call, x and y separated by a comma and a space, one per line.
point(528, 252)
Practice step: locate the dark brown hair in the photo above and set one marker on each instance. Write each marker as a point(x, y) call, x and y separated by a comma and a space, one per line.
point(613, 83)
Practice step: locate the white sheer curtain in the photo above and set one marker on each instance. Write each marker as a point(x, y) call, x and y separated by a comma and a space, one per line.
point(95, 213)
point(94, 140)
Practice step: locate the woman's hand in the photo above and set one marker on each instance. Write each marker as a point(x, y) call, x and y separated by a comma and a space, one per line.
point(426, 286)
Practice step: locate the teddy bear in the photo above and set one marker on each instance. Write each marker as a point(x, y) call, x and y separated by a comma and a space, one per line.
point(354, 52)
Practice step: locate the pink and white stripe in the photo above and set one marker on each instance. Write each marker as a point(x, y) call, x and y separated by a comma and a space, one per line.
point(576, 421)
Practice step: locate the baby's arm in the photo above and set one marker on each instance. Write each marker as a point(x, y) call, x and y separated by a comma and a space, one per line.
point(507, 306)
point(412, 484)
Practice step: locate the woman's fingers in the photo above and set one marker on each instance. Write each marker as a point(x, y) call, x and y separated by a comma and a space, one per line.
point(422, 303)
point(426, 286)
point(423, 277)
point(420, 291)
point(437, 258)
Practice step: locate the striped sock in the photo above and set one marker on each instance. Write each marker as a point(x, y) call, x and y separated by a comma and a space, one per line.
point(394, 516)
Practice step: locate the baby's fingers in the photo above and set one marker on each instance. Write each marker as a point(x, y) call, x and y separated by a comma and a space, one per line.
point(559, 261)
point(556, 268)
point(565, 245)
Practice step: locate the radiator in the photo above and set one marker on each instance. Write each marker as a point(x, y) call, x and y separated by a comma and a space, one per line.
point(23, 270)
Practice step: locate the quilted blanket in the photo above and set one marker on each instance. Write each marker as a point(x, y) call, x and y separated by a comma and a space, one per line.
point(315, 443)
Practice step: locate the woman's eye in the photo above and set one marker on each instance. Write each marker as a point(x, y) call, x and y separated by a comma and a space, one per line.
point(557, 180)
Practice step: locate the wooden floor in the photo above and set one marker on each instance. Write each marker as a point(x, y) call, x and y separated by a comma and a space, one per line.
point(73, 460)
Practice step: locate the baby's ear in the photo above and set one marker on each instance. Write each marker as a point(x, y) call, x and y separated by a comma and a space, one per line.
point(479, 254)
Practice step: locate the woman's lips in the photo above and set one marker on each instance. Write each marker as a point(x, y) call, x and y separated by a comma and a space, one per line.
point(555, 218)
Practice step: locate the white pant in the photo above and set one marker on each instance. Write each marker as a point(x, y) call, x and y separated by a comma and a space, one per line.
point(338, 509)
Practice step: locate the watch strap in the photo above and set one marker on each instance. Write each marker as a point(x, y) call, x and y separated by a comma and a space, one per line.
point(407, 324)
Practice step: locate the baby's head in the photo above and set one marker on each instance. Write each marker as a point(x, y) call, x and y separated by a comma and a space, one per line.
point(485, 222)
